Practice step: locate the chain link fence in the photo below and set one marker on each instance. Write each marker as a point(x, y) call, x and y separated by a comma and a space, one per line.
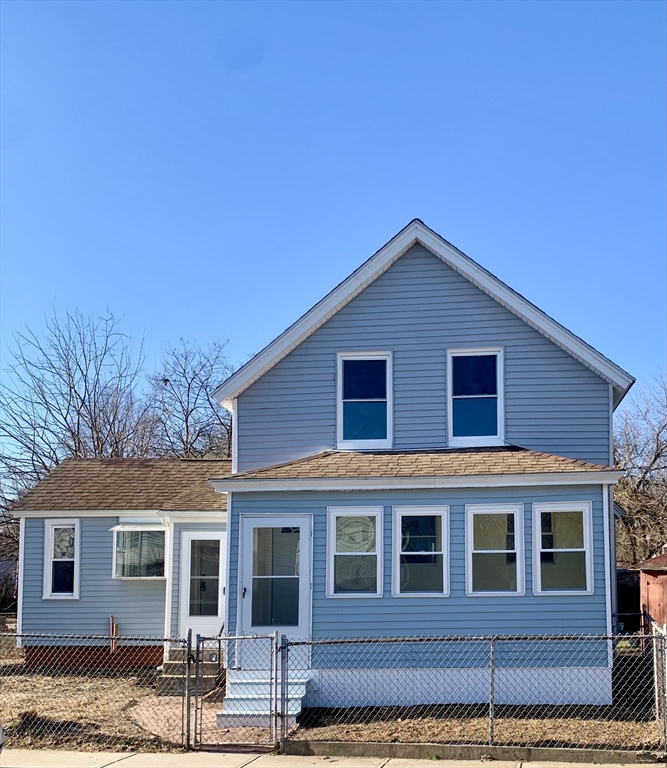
point(93, 692)
point(585, 692)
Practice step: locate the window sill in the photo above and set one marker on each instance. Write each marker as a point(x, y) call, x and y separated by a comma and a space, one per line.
point(60, 597)
point(420, 595)
point(563, 592)
point(139, 578)
point(496, 594)
point(361, 445)
point(355, 596)
point(475, 442)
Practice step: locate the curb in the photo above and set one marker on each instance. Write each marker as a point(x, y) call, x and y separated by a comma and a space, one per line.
point(461, 752)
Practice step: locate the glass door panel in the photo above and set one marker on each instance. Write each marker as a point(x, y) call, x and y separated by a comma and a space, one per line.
point(275, 576)
point(204, 577)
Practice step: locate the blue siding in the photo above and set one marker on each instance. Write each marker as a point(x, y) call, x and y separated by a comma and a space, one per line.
point(418, 308)
point(453, 615)
point(137, 606)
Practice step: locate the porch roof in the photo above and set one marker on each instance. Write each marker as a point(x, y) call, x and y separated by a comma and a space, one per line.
point(128, 484)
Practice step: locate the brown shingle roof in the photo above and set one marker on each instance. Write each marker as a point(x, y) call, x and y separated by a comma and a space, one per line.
point(439, 463)
point(657, 563)
point(128, 484)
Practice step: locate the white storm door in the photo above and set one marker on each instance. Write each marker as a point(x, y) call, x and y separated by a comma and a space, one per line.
point(202, 582)
point(275, 584)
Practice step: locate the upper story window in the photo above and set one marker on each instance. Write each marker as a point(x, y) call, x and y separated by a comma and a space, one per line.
point(61, 559)
point(562, 548)
point(364, 407)
point(138, 552)
point(475, 409)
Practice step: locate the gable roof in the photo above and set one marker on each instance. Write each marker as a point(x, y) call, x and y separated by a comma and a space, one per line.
point(417, 232)
point(435, 468)
point(657, 563)
point(128, 484)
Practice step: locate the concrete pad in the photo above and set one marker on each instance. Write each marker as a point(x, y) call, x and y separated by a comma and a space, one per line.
point(299, 761)
point(403, 762)
point(190, 760)
point(57, 758)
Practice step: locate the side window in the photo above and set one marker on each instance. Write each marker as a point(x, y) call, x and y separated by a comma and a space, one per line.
point(364, 400)
point(563, 554)
point(494, 549)
point(61, 559)
point(420, 551)
point(475, 397)
point(354, 552)
point(138, 552)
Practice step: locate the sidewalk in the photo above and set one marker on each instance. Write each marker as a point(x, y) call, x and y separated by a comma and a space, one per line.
point(26, 758)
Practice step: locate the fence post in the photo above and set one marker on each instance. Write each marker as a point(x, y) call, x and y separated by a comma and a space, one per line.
point(274, 689)
point(492, 687)
point(284, 699)
point(188, 693)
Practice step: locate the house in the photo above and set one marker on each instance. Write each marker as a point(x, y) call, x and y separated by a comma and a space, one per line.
point(140, 541)
point(427, 453)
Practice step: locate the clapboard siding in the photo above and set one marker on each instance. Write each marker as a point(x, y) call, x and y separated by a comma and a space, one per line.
point(137, 606)
point(418, 308)
point(453, 615)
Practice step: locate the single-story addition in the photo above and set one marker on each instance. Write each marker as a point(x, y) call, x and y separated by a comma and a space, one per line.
point(139, 540)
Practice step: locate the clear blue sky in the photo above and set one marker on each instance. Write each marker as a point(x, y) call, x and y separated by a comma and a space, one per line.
point(211, 170)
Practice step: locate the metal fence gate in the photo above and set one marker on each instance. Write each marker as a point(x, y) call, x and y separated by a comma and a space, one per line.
point(234, 691)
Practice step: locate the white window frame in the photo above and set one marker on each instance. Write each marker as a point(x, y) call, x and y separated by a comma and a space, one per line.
point(496, 509)
point(332, 514)
point(50, 524)
point(586, 508)
point(479, 440)
point(399, 513)
point(125, 527)
point(367, 444)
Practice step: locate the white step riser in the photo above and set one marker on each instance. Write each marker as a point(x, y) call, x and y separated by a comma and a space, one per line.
point(255, 721)
point(263, 690)
point(246, 706)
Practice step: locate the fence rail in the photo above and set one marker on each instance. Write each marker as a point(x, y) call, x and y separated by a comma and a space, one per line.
point(156, 693)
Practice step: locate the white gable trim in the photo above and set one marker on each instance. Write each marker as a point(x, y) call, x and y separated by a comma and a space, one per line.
point(417, 232)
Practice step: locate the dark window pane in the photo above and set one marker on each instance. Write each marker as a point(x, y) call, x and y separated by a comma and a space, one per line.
point(63, 577)
point(421, 573)
point(492, 572)
point(421, 533)
point(474, 375)
point(355, 573)
point(275, 602)
point(563, 570)
point(475, 417)
point(364, 379)
point(205, 558)
point(204, 597)
point(364, 421)
point(139, 554)
point(276, 551)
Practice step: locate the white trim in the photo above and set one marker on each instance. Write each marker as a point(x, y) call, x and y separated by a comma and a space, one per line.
point(235, 436)
point(186, 539)
point(137, 527)
point(445, 481)
point(116, 529)
point(332, 514)
point(611, 426)
point(49, 525)
point(217, 516)
point(609, 563)
point(417, 232)
point(481, 440)
point(387, 443)
point(21, 566)
point(78, 513)
point(399, 512)
point(169, 581)
point(586, 508)
point(519, 546)
point(228, 565)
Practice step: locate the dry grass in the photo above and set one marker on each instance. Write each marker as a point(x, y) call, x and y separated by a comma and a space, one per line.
point(70, 711)
point(545, 732)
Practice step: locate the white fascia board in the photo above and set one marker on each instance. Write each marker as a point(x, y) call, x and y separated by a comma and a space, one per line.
point(89, 513)
point(415, 232)
point(195, 517)
point(407, 483)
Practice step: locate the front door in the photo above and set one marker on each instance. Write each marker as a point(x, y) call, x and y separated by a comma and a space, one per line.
point(202, 582)
point(275, 585)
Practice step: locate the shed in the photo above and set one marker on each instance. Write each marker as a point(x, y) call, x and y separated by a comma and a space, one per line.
point(653, 586)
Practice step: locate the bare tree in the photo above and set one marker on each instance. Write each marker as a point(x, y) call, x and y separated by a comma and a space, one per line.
point(640, 450)
point(188, 421)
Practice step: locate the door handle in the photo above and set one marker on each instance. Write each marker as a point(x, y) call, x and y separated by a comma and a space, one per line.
point(243, 593)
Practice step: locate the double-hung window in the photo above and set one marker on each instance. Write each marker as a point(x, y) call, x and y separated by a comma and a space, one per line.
point(562, 548)
point(420, 548)
point(475, 406)
point(364, 400)
point(61, 559)
point(354, 551)
point(138, 551)
point(494, 549)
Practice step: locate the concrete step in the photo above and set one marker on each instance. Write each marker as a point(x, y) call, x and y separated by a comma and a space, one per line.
point(256, 705)
point(239, 720)
point(262, 688)
point(179, 668)
point(174, 685)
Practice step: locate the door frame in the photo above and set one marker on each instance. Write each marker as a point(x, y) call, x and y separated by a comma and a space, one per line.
point(306, 550)
point(187, 536)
